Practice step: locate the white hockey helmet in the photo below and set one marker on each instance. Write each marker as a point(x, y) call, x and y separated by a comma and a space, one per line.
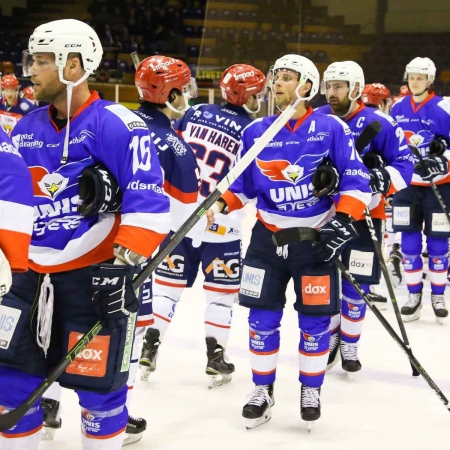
point(304, 67)
point(65, 36)
point(421, 65)
point(349, 71)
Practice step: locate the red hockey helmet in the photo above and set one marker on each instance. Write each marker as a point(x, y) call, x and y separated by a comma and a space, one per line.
point(240, 81)
point(28, 93)
point(404, 91)
point(375, 93)
point(157, 75)
point(10, 82)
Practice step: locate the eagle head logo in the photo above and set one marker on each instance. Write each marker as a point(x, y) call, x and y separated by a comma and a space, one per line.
point(293, 172)
point(47, 184)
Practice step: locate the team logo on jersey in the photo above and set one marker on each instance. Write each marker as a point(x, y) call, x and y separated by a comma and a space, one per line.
point(283, 170)
point(257, 337)
point(419, 139)
point(207, 115)
point(178, 147)
point(46, 184)
point(308, 337)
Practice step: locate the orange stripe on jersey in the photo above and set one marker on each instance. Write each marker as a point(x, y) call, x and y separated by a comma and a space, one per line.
point(221, 289)
point(144, 323)
point(350, 205)
point(217, 325)
point(161, 317)
point(15, 246)
point(102, 252)
point(166, 283)
point(140, 240)
point(232, 200)
point(183, 197)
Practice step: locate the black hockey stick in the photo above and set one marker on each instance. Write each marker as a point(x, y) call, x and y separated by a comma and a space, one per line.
point(438, 195)
point(363, 140)
point(289, 235)
point(9, 419)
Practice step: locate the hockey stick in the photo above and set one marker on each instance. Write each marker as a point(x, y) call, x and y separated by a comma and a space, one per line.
point(9, 419)
point(362, 141)
point(438, 195)
point(298, 234)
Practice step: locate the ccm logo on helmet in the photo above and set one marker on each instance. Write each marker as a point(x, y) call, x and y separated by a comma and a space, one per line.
point(244, 76)
point(72, 45)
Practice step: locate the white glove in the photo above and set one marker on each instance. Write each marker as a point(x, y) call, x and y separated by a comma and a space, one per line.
point(5, 274)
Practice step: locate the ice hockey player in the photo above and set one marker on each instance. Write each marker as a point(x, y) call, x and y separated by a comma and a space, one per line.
point(82, 261)
point(12, 106)
point(213, 131)
point(165, 87)
point(279, 180)
point(389, 161)
point(425, 119)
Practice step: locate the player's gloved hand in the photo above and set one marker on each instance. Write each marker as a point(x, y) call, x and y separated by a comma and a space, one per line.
point(431, 167)
point(438, 146)
point(113, 294)
point(325, 180)
point(380, 181)
point(5, 275)
point(99, 191)
point(373, 160)
point(333, 237)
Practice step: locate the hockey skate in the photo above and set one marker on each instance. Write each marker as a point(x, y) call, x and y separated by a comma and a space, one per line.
point(439, 308)
point(377, 299)
point(147, 362)
point(52, 418)
point(334, 355)
point(350, 361)
point(411, 310)
point(135, 429)
point(310, 405)
point(258, 409)
point(394, 265)
point(217, 367)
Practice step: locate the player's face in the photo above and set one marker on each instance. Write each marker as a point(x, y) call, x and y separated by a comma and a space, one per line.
point(10, 95)
point(417, 82)
point(284, 85)
point(337, 96)
point(44, 75)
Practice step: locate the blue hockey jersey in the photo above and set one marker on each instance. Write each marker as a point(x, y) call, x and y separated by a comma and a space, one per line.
point(181, 174)
point(389, 143)
point(16, 205)
point(214, 131)
point(422, 122)
point(280, 178)
point(100, 131)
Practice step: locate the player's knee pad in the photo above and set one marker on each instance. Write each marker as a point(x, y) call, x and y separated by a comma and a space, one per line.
point(314, 325)
point(264, 320)
point(350, 293)
point(437, 246)
point(103, 415)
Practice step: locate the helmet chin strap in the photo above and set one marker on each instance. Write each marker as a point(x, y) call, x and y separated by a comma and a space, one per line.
point(181, 110)
point(257, 109)
point(70, 85)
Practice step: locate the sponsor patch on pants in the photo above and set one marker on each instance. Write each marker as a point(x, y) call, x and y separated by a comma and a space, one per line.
point(92, 360)
point(400, 215)
point(316, 290)
point(439, 222)
point(361, 263)
point(9, 317)
point(252, 281)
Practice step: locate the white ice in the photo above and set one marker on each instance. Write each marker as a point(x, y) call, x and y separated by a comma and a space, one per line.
point(383, 408)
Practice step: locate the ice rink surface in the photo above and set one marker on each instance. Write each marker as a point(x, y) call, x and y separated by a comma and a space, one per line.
point(385, 407)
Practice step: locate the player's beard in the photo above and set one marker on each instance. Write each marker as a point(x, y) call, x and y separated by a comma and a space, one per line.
point(51, 93)
point(341, 107)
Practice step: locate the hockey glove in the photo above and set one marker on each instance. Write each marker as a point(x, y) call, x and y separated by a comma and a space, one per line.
point(431, 167)
point(373, 160)
point(99, 191)
point(438, 146)
point(5, 275)
point(380, 181)
point(113, 294)
point(325, 180)
point(333, 237)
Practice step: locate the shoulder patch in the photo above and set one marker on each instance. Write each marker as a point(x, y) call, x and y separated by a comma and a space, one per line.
point(129, 118)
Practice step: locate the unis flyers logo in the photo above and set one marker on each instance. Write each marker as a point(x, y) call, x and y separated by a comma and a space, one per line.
point(46, 184)
point(422, 138)
point(283, 170)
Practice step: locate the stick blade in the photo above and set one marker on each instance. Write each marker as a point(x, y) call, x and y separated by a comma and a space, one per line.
point(294, 234)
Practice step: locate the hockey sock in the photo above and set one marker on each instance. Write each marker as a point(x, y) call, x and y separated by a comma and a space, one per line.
point(165, 300)
point(353, 312)
point(437, 263)
point(313, 349)
point(264, 344)
point(218, 315)
point(412, 260)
